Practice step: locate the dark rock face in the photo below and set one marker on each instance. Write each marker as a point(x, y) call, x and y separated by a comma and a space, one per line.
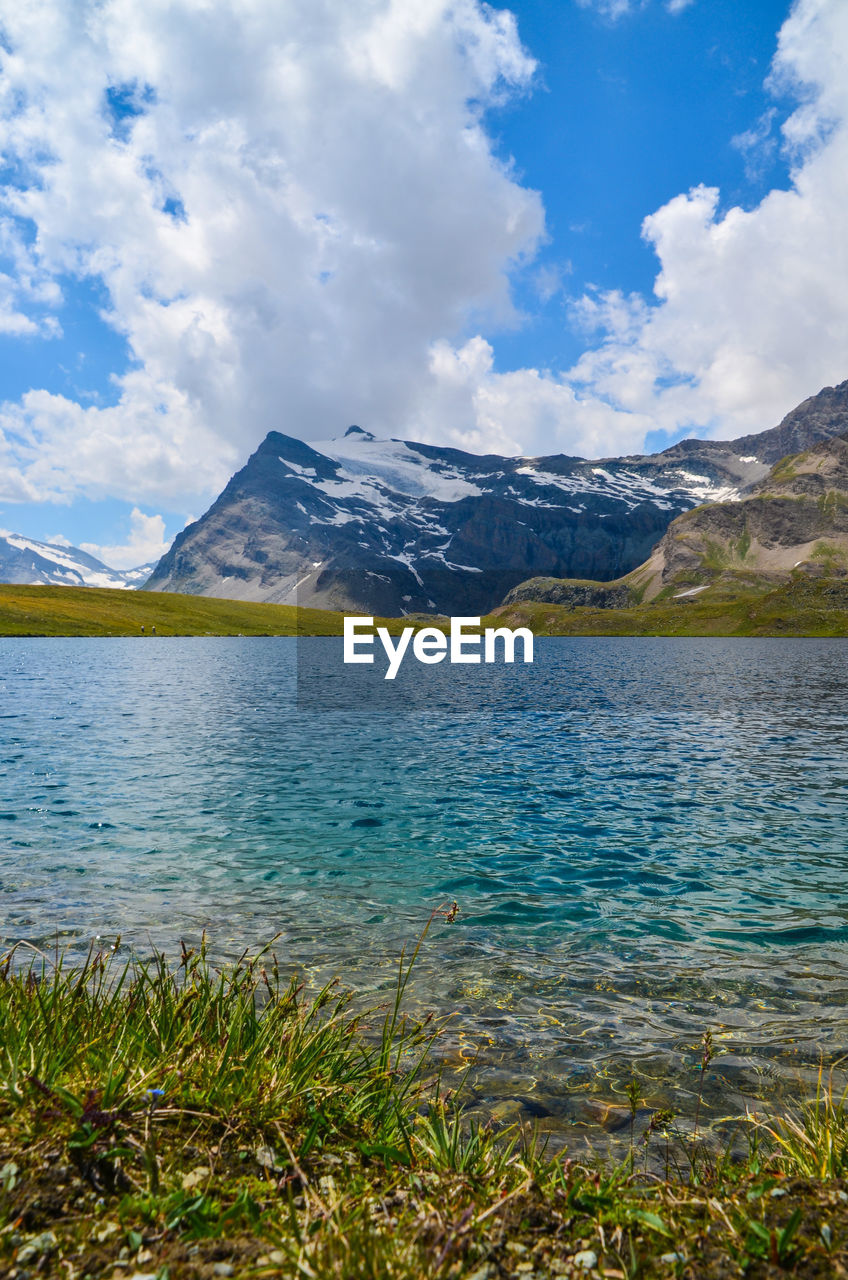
point(395, 527)
point(573, 595)
point(821, 417)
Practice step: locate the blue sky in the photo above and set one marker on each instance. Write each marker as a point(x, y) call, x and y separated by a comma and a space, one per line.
point(627, 114)
point(427, 219)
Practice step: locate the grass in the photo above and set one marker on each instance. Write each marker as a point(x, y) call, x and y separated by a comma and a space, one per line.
point(738, 605)
point(95, 611)
point(176, 1120)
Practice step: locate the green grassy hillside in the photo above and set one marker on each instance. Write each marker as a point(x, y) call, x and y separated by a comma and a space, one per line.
point(92, 611)
point(802, 607)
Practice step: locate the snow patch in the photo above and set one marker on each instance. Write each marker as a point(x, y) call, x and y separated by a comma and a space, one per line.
point(706, 489)
point(69, 566)
point(396, 466)
point(309, 473)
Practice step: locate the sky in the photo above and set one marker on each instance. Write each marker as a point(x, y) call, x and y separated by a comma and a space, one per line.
point(564, 226)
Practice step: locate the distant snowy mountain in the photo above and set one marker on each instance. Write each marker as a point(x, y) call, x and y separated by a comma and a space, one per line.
point(23, 560)
point(393, 527)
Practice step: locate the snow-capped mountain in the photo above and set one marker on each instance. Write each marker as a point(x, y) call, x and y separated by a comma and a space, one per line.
point(24, 560)
point(393, 527)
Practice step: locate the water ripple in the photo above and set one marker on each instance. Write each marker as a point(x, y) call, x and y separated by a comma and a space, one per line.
point(648, 841)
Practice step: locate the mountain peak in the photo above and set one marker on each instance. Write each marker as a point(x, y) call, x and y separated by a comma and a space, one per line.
point(393, 526)
point(27, 561)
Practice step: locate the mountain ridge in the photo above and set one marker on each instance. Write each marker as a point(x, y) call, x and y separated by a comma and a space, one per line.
point(396, 527)
point(793, 523)
point(29, 562)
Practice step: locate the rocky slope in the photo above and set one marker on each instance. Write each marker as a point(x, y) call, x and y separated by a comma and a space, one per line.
point(794, 522)
point(25, 561)
point(392, 527)
point(395, 527)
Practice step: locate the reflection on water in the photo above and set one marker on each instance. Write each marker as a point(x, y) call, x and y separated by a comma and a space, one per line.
point(646, 838)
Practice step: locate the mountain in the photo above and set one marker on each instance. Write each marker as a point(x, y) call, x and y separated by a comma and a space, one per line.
point(23, 560)
point(793, 523)
point(392, 527)
point(795, 520)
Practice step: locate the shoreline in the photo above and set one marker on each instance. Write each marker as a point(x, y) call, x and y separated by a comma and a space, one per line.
point(802, 608)
point(175, 1120)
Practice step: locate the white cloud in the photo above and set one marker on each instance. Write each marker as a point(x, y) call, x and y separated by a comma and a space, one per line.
point(751, 306)
point(146, 543)
point(750, 312)
point(615, 9)
point(153, 445)
point(612, 9)
point(757, 144)
point(337, 221)
point(292, 203)
point(471, 406)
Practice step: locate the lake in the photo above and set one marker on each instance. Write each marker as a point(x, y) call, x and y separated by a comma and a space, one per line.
point(646, 838)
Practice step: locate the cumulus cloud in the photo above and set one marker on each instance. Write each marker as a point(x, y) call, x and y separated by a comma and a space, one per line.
point(145, 544)
point(751, 306)
point(300, 221)
point(470, 405)
point(287, 204)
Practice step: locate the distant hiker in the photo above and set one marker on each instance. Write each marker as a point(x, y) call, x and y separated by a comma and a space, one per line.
point(153, 631)
point(142, 628)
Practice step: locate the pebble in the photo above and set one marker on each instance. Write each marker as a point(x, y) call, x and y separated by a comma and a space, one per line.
point(268, 1158)
point(198, 1175)
point(482, 1273)
point(672, 1257)
point(45, 1243)
point(586, 1258)
point(223, 1269)
point(777, 1192)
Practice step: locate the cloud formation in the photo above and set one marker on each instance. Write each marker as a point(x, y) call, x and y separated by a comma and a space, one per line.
point(300, 222)
point(750, 307)
point(286, 203)
point(146, 543)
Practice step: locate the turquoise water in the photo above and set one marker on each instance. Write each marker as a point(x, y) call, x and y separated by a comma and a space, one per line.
point(646, 839)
